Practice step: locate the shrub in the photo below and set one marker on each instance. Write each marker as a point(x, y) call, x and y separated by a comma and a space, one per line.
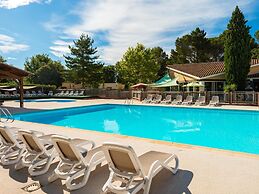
point(230, 88)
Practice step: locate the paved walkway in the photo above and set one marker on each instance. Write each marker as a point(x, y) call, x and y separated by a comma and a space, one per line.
point(202, 170)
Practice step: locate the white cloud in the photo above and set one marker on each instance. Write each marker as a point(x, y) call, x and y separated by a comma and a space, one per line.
point(151, 22)
point(11, 58)
point(55, 24)
point(60, 48)
point(8, 44)
point(12, 4)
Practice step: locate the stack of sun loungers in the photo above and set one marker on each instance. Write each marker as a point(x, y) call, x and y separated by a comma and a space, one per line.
point(178, 100)
point(79, 157)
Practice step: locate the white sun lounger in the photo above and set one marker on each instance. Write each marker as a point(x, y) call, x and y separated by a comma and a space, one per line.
point(12, 149)
point(188, 100)
point(129, 173)
point(81, 93)
point(60, 93)
point(167, 100)
point(214, 101)
point(200, 101)
point(148, 99)
point(71, 93)
point(157, 99)
point(16, 94)
point(66, 93)
point(40, 93)
point(178, 99)
point(27, 94)
point(39, 152)
point(76, 161)
point(50, 93)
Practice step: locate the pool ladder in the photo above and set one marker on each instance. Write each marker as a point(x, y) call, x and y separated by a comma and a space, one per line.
point(128, 101)
point(7, 116)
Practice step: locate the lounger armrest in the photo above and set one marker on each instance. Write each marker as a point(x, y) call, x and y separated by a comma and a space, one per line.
point(153, 168)
point(38, 133)
point(82, 142)
point(97, 158)
point(46, 139)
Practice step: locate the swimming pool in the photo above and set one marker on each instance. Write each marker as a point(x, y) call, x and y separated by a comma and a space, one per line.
point(224, 129)
point(47, 100)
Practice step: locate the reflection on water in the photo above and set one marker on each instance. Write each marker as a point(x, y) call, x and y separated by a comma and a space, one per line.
point(111, 126)
point(181, 126)
point(186, 130)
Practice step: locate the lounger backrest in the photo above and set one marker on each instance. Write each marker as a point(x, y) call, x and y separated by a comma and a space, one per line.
point(189, 98)
point(159, 97)
point(168, 97)
point(27, 92)
point(122, 159)
point(5, 136)
point(179, 98)
point(202, 98)
point(66, 150)
point(31, 141)
point(215, 99)
point(149, 96)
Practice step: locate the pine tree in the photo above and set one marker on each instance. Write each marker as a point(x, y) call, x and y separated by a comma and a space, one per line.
point(237, 52)
point(83, 61)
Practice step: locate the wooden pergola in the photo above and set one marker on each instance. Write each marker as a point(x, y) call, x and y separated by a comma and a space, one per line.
point(16, 74)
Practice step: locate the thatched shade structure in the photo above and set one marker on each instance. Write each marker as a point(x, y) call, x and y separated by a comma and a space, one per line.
point(14, 73)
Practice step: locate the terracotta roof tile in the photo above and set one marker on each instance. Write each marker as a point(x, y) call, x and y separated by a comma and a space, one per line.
point(203, 69)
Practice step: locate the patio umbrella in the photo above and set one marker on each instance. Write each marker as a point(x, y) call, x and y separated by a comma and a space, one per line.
point(194, 84)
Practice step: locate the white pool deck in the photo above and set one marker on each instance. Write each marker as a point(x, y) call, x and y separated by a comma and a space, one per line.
point(202, 170)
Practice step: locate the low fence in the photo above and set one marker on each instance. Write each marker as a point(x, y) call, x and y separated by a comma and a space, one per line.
point(114, 94)
point(238, 97)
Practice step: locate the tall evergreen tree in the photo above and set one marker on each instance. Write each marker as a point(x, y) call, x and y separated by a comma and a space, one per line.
point(192, 48)
point(255, 49)
point(257, 35)
point(237, 52)
point(83, 61)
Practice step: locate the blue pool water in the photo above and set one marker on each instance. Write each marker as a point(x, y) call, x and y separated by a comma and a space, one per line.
point(224, 129)
point(47, 100)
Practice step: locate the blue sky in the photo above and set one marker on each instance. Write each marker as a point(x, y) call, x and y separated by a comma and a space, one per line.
point(29, 27)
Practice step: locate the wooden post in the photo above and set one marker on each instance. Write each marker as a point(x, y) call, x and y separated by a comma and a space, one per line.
point(21, 92)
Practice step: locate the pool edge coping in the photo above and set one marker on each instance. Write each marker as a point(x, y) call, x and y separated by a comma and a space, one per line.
point(159, 142)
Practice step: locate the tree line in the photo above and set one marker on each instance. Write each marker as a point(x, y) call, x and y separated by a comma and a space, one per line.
point(235, 46)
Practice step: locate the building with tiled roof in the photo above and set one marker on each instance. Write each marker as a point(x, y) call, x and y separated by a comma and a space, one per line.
point(211, 74)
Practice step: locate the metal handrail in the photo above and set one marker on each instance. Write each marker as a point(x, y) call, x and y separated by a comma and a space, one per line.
point(7, 115)
point(128, 101)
